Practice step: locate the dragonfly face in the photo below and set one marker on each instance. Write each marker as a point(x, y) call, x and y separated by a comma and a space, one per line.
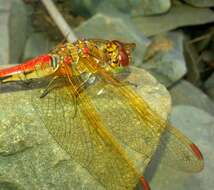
point(119, 54)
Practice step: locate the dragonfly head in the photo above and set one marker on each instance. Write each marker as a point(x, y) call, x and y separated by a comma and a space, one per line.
point(119, 54)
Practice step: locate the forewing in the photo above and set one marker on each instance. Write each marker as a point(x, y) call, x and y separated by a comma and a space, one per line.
point(82, 135)
point(124, 123)
point(180, 152)
point(140, 128)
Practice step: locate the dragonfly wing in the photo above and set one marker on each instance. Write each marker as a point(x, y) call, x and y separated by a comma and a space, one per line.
point(84, 137)
point(147, 132)
point(123, 122)
point(179, 151)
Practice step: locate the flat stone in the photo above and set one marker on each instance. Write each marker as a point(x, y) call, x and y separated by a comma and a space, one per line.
point(131, 7)
point(29, 157)
point(18, 30)
point(184, 93)
point(4, 40)
point(178, 16)
point(136, 8)
point(5, 5)
point(199, 126)
point(164, 58)
point(106, 27)
point(13, 21)
point(152, 7)
point(37, 44)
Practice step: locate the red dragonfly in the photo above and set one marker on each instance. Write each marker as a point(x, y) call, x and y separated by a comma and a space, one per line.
point(76, 73)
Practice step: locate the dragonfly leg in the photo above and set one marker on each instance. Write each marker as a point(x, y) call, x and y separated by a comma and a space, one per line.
point(121, 84)
point(49, 87)
point(130, 83)
point(78, 90)
point(75, 98)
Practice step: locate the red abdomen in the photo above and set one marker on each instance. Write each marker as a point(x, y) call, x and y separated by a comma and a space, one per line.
point(30, 65)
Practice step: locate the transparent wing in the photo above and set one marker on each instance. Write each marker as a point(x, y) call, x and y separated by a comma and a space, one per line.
point(83, 136)
point(137, 126)
point(179, 150)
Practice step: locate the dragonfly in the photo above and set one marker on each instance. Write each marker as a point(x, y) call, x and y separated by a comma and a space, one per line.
point(79, 75)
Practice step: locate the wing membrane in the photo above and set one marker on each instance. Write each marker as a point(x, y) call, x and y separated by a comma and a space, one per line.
point(179, 150)
point(85, 139)
point(149, 128)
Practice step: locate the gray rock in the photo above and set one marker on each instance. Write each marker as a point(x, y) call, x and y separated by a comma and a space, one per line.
point(199, 126)
point(30, 159)
point(136, 8)
point(4, 40)
point(187, 94)
point(152, 7)
point(5, 5)
point(164, 58)
point(209, 86)
point(106, 27)
point(13, 21)
point(132, 7)
point(201, 3)
point(37, 44)
point(18, 30)
point(178, 15)
point(84, 7)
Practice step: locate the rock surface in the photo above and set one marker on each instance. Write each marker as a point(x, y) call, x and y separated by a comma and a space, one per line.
point(4, 40)
point(184, 93)
point(164, 58)
point(18, 30)
point(178, 15)
point(132, 7)
point(13, 22)
point(30, 159)
point(37, 44)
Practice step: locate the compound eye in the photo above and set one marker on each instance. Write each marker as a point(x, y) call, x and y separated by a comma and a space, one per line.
point(123, 58)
